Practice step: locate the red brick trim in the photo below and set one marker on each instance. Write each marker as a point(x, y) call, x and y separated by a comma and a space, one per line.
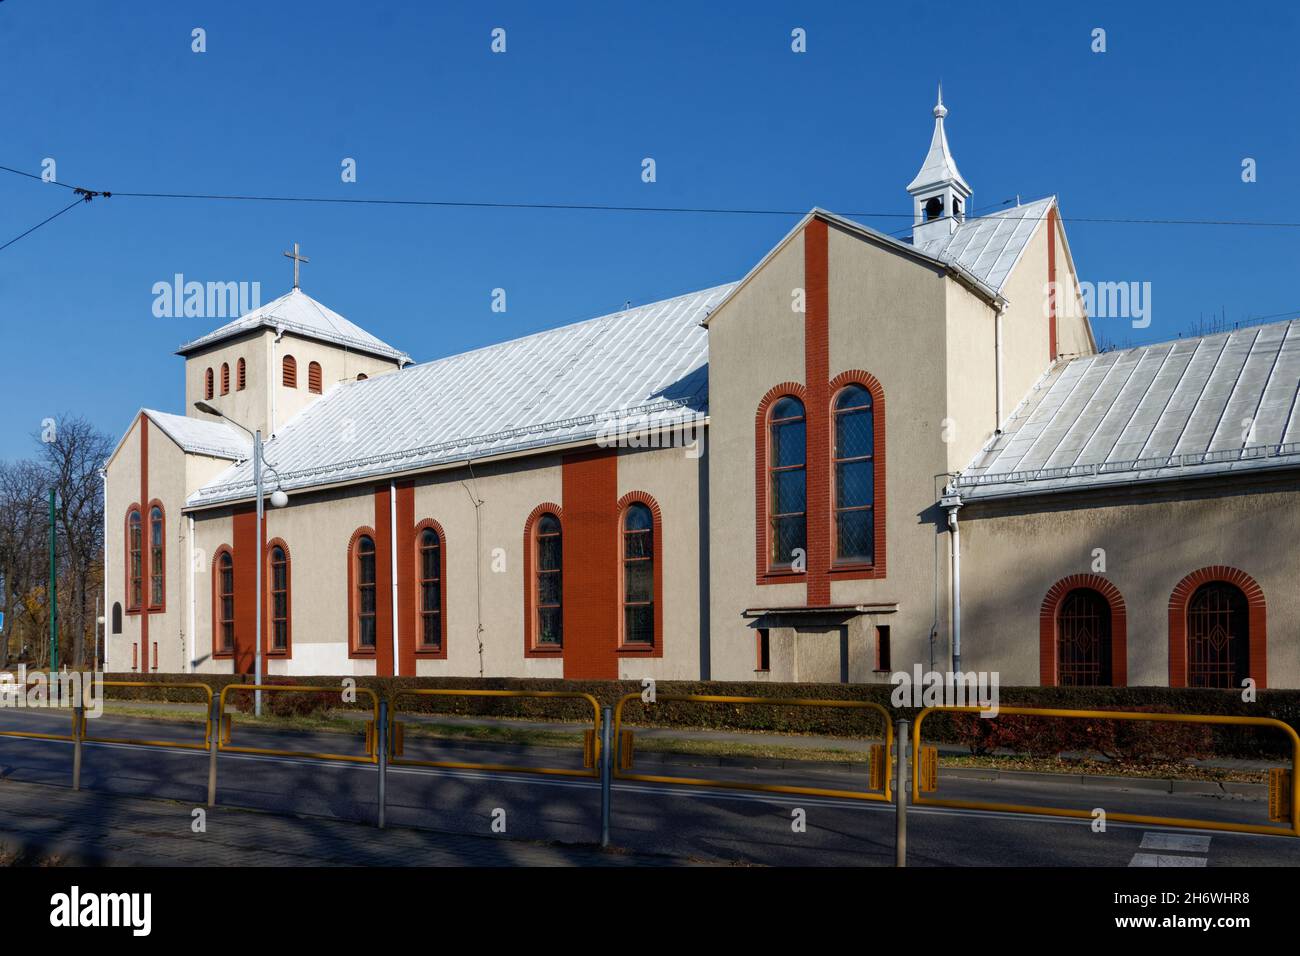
point(354, 652)
point(656, 649)
point(268, 644)
point(216, 604)
point(763, 572)
point(419, 650)
point(148, 544)
point(407, 598)
point(1051, 282)
point(144, 543)
point(816, 350)
point(244, 533)
point(589, 480)
point(1256, 621)
point(530, 586)
point(876, 569)
point(1118, 627)
point(385, 626)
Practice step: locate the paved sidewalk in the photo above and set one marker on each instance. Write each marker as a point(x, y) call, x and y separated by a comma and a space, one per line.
point(97, 829)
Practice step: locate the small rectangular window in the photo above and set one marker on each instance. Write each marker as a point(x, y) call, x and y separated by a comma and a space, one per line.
point(882, 647)
point(764, 650)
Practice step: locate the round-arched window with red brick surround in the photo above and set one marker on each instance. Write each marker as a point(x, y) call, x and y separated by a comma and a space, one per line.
point(1083, 634)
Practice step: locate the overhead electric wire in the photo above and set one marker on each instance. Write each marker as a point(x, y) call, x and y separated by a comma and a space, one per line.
point(76, 202)
point(602, 207)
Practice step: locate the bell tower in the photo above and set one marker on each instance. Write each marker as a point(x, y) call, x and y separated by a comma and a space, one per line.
point(940, 197)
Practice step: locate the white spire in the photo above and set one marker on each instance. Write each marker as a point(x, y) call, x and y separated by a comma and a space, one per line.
point(940, 197)
point(939, 166)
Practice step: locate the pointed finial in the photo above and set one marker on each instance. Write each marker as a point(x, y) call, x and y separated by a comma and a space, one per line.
point(940, 111)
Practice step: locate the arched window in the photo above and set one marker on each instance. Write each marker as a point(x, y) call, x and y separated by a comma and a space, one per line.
point(854, 476)
point(225, 378)
point(157, 569)
point(1083, 640)
point(224, 585)
point(549, 593)
point(313, 377)
point(429, 566)
point(361, 376)
point(207, 384)
point(241, 378)
point(1218, 636)
point(290, 365)
point(787, 481)
point(117, 617)
point(135, 560)
point(278, 590)
point(364, 596)
point(638, 575)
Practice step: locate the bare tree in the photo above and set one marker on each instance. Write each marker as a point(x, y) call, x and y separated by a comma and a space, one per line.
point(22, 486)
point(73, 454)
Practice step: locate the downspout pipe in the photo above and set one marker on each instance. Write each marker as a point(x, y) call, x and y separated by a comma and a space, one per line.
point(997, 360)
point(951, 502)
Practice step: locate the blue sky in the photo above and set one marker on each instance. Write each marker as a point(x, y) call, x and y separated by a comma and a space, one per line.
point(1155, 127)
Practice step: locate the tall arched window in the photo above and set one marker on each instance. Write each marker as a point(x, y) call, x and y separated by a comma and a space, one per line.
point(549, 594)
point(290, 365)
point(225, 604)
point(225, 378)
point(1218, 636)
point(787, 481)
point(241, 378)
point(1083, 640)
point(364, 598)
point(157, 569)
point(429, 565)
point(638, 575)
point(854, 476)
point(207, 384)
point(278, 589)
point(314, 377)
point(135, 560)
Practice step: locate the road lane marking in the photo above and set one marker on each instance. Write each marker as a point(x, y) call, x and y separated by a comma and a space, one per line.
point(1185, 842)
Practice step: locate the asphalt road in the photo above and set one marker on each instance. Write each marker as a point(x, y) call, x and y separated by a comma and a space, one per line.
point(678, 820)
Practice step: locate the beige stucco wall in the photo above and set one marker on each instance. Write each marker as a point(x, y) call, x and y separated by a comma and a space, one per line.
point(265, 402)
point(167, 483)
point(251, 407)
point(889, 317)
point(1012, 555)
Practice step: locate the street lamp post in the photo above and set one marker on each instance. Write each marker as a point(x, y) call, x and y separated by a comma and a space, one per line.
point(279, 499)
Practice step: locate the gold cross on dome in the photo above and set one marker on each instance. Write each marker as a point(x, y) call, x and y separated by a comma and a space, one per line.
point(296, 259)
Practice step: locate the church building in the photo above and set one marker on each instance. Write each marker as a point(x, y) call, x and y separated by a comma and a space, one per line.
point(867, 453)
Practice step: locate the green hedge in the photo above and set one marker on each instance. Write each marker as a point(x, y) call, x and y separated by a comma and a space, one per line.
point(1242, 742)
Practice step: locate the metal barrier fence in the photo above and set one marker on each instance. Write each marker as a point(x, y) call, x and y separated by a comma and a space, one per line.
point(608, 752)
point(225, 724)
point(1284, 796)
point(879, 757)
point(134, 742)
point(397, 735)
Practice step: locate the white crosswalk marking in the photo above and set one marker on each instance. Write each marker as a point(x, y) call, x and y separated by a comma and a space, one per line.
point(1161, 859)
point(1186, 842)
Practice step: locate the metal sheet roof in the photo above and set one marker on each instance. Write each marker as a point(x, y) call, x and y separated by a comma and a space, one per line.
point(299, 313)
point(203, 436)
point(1195, 406)
point(990, 246)
point(646, 365)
